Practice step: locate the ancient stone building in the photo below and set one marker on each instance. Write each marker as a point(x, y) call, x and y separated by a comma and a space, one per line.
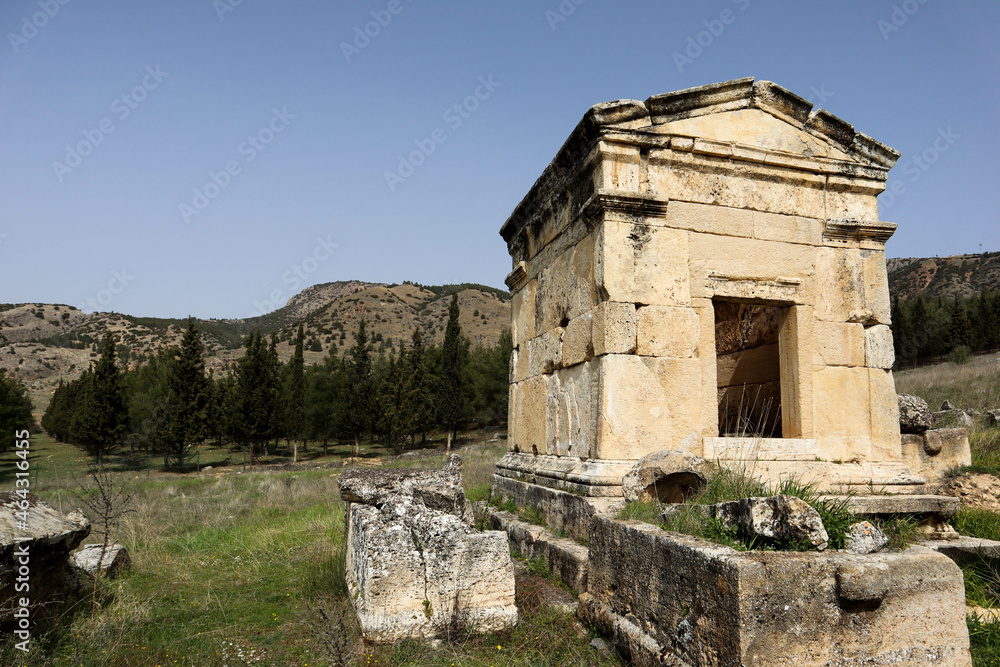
point(704, 270)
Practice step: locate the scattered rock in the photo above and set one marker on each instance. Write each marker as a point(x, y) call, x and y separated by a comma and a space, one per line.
point(415, 565)
point(777, 518)
point(993, 417)
point(50, 539)
point(115, 561)
point(959, 418)
point(600, 645)
point(669, 476)
point(946, 406)
point(914, 414)
point(865, 538)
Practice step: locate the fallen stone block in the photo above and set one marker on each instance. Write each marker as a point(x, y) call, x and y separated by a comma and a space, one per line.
point(415, 565)
point(36, 540)
point(668, 476)
point(914, 414)
point(773, 519)
point(864, 537)
point(116, 560)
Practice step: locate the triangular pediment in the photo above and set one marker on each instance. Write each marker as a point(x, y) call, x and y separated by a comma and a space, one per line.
point(750, 113)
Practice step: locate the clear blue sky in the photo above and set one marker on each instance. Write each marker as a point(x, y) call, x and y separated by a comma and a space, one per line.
point(310, 202)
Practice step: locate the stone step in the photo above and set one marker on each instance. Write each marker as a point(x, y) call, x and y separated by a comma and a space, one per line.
point(966, 549)
point(939, 506)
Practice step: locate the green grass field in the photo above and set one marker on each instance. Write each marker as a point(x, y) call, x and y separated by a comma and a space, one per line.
point(232, 568)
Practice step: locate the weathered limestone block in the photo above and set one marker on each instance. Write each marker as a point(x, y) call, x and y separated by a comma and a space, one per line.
point(854, 285)
point(618, 168)
point(665, 598)
point(115, 560)
point(572, 409)
point(642, 264)
point(577, 343)
point(840, 344)
point(914, 414)
point(544, 352)
point(522, 310)
point(774, 518)
point(438, 489)
point(787, 228)
point(842, 399)
point(415, 565)
point(879, 352)
point(884, 415)
point(51, 538)
point(668, 476)
point(864, 537)
point(748, 259)
point(614, 328)
point(566, 288)
point(530, 401)
point(935, 451)
point(709, 219)
point(668, 331)
point(416, 572)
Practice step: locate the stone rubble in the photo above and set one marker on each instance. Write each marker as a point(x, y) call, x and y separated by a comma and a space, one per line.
point(776, 518)
point(116, 560)
point(864, 537)
point(914, 414)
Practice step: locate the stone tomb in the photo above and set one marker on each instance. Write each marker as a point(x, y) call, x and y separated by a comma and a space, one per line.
point(704, 271)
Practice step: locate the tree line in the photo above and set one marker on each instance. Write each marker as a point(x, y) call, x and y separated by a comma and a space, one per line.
point(169, 405)
point(926, 329)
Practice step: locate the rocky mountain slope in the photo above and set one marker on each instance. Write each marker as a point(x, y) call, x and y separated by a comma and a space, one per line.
point(43, 343)
point(958, 275)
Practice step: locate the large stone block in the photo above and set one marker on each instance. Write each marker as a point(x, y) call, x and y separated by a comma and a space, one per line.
point(572, 410)
point(668, 331)
point(522, 322)
point(642, 264)
point(665, 598)
point(787, 228)
point(854, 285)
point(885, 415)
point(748, 259)
point(618, 167)
point(529, 415)
point(710, 219)
point(577, 341)
point(566, 288)
point(879, 352)
point(417, 573)
point(842, 400)
point(545, 352)
point(614, 328)
point(840, 344)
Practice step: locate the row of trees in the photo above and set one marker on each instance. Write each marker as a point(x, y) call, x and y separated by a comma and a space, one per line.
point(928, 328)
point(15, 410)
point(170, 404)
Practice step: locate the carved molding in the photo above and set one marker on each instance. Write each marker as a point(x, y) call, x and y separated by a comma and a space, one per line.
point(780, 289)
point(517, 278)
point(842, 232)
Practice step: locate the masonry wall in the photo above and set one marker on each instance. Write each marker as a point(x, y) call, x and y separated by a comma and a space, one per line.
point(613, 320)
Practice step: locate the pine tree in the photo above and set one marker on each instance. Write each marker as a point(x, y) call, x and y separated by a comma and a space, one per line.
point(15, 409)
point(101, 419)
point(419, 388)
point(396, 413)
point(295, 391)
point(188, 397)
point(254, 400)
point(359, 390)
point(960, 329)
point(451, 398)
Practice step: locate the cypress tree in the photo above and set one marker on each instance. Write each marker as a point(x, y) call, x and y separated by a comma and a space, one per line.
point(295, 391)
point(188, 397)
point(255, 396)
point(101, 419)
point(359, 390)
point(15, 409)
point(454, 354)
point(419, 390)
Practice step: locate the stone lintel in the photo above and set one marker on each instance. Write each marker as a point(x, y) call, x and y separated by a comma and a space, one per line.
point(763, 290)
point(845, 232)
point(940, 506)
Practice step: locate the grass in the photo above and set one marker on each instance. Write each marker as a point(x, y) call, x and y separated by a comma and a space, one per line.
point(240, 569)
point(974, 385)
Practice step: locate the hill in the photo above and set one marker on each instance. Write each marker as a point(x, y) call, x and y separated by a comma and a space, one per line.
point(43, 343)
point(957, 275)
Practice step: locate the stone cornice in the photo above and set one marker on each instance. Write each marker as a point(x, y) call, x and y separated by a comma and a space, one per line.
point(841, 232)
point(629, 204)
